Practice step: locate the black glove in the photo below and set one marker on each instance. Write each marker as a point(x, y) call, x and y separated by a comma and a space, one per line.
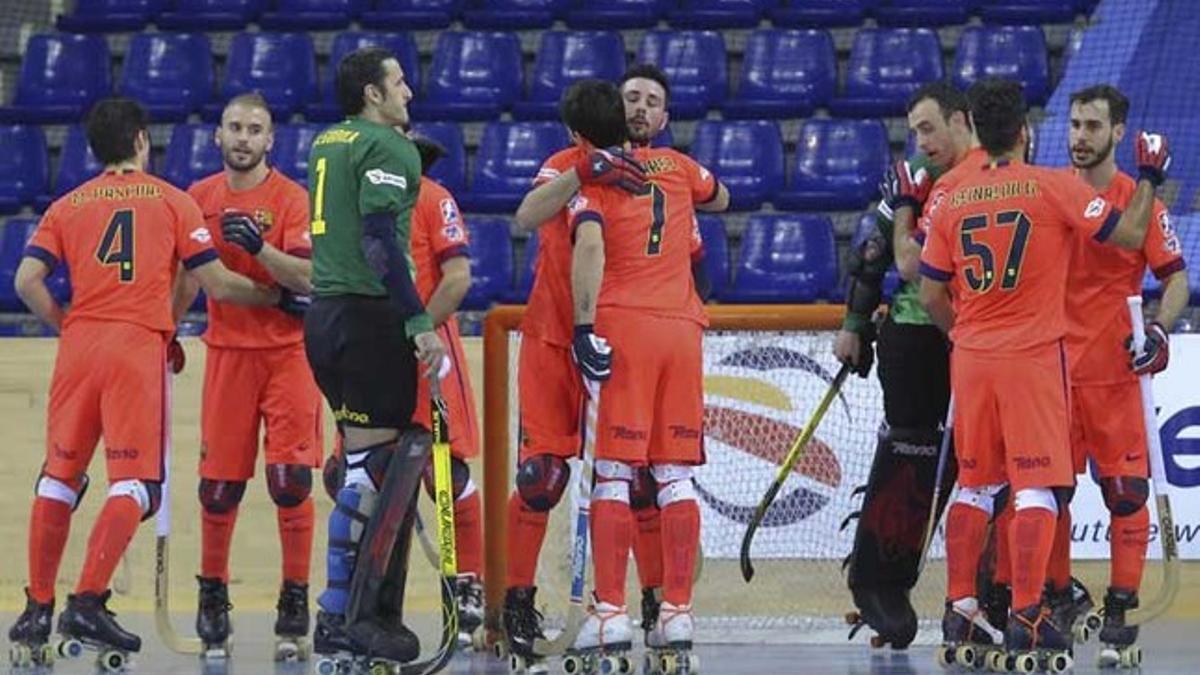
point(293, 303)
point(176, 358)
point(1155, 354)
point(592, 354)
point(240, 228)
point(866, 351)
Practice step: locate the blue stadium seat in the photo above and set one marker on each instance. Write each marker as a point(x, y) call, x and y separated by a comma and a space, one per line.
point(109, 16)
point(1016, 52)
point(411, 14)
point(191, 155)
point(520, 292)
point(717, 14)
point(891, 279)
point(289, 154)
point(616, 14)
point(171, 74)
point(508, 157)
point(694, 62)
point(24, 169)
point(475, 75)
point(210, 15)
point(746, 155)
point(14, 235)
point(76, 163)
point(61, 76)
point(401, 44)
point(918, 13)
point(819, 13)
point(280, 66)
point(513, 14)
point(716, 252)
point(290, 15)
point(886, 67)
point(491, 262)
point(1188, 228)
point(450, 170)
point(1027, 11)
point(563, 58)
point(786, 258)
point(838, 165)
point(785, 73)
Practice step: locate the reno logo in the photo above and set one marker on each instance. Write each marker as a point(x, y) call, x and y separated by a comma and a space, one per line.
point(756, 403)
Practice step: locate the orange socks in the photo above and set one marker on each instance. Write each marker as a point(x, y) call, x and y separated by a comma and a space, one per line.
point(1128, 546)
point(648, 547)
point(114, 527)
point(680, 543)
point(468, 534)
point(1000, 529)
point(1058, 570)
point(49, 525)
point(295, 538)
point(966, 535)
point(1030, 539)
point(216, 533)
point(612, 537)
point(526, 530)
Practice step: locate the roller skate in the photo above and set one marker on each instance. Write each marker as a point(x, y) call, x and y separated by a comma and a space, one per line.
point(603, 643)
point(522, 625)
point(469, 593)
point(291, 623)
point(969, 640)
point(367, 646)
point(89, 623)
point(1034, 642)
point(1071, 608)
point(29, 638)
point(996, 604)
point(651, 604)
point(212, 619)
point(1117, 638)
point(669, 643)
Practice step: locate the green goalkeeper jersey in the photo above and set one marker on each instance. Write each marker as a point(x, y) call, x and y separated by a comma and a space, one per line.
point(906, 302)
point(357, 168)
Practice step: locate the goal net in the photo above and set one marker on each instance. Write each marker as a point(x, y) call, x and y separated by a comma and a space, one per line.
point(765, 370)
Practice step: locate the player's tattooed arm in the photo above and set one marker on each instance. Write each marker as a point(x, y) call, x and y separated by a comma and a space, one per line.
point(30, 284)
point(935, 296)
point(587, 270)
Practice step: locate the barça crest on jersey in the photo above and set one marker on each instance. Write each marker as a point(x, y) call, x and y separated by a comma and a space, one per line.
point(265, 219)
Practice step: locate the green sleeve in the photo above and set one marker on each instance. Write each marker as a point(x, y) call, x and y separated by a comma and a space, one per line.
point(387, 183)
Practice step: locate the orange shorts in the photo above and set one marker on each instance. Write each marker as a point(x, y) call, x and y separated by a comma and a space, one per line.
point(458, 395)
point(551, 399)
point(651, 411)
point(246, 387)
point(1010, 417)
point(110, 382)
point(1106, 425)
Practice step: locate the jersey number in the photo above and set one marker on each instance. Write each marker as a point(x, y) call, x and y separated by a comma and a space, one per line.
point(116, 246)
point(987, 259)
point(317, 225)
point(658, 217)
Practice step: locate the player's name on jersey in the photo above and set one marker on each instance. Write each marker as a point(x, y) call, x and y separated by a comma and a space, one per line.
point(117, 193)
point(996, 191)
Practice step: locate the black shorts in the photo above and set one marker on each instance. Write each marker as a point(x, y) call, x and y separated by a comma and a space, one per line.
point(362, 360)
point(914, 369)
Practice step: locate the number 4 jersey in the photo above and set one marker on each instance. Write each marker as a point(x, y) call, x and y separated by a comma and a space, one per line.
point(122, 236)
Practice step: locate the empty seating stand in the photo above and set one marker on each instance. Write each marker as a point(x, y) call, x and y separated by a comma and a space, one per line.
point(508, 158)
point(61, 76)
point(616, 14)
point(785, 73)
point(24, 169)
point(191, 155)
point(450, 170)
point(474, 76)
point(746, 155)
point(786, 258)
point(694, 62)
point(491, 262)
point(280, 66)
point(210, 15)
point(716, 252)
point(171, 74)
point(886, 67)
point(109, 16)
point(294, 15)
point(838, 165)
point(513, 14)
point(563, 58)
point(411, 14)
point(1014, 52)
point(76, 163)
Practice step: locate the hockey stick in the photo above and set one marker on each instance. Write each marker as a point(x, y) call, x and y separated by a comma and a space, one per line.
point(427, 547)
point(794, 454)
point(1166, 524)
point(579, 543)
point(943, 455)
point(444, 499)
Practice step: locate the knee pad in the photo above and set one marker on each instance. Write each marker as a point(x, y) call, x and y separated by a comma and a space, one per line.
point(674, 484)
point(147, 494)
point(221, 496)
point(460, 477)
point(367, 466)
point(1036, 498)
point(612, 481)
point(1124, 495)
point(68, 492)
point(289, 484)
point(541, 480)
point(982, 497)
point(643, 491)
point(333, 475)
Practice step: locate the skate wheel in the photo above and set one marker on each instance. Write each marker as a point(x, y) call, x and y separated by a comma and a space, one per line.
point(610, 665)
point(649, 664)
point(1025, 663)
point(517, 664)
point(994, 661)
point(572, 665)
point(965, 656)
point(69, 648)
point(1059, 663)
point(112, 662)
point(1094, 621)
point(287, 651)
point(668, 664)
point(1082, 632)
point(1107, 657)
point(1131, 657)
point(326, 666)
point(20, 656)
point(500, 649)
point(45, 655)
point(943, 657)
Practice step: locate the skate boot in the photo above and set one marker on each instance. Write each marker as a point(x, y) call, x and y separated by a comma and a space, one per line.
point(1033, 641)
point(469, 593)
point(29, 638)
point(88, 621)
point(1070, 607)
point(888, 611)
point(651, 605)
point(1117, 638)
point(996, 604)
point(522, 625)
point(603, 643)
point(969, 640)
point(291, 623)
point(674, 656)
point(212, 618)
point(335, 647)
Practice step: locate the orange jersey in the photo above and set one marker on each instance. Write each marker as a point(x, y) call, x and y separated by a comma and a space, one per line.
point(281, 208)
point(942, 187)
point(438, 234)
point(649, 239)
point(122, 237)
point(549, 314)
point(1003, 237)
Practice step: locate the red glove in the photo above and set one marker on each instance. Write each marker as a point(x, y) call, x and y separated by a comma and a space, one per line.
point(1153, 157)
point(905, 187)
point(175, 355)
point(613, 166)
point(1155, 354)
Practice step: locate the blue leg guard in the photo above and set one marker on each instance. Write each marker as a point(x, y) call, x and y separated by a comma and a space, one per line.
point(347, 522)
